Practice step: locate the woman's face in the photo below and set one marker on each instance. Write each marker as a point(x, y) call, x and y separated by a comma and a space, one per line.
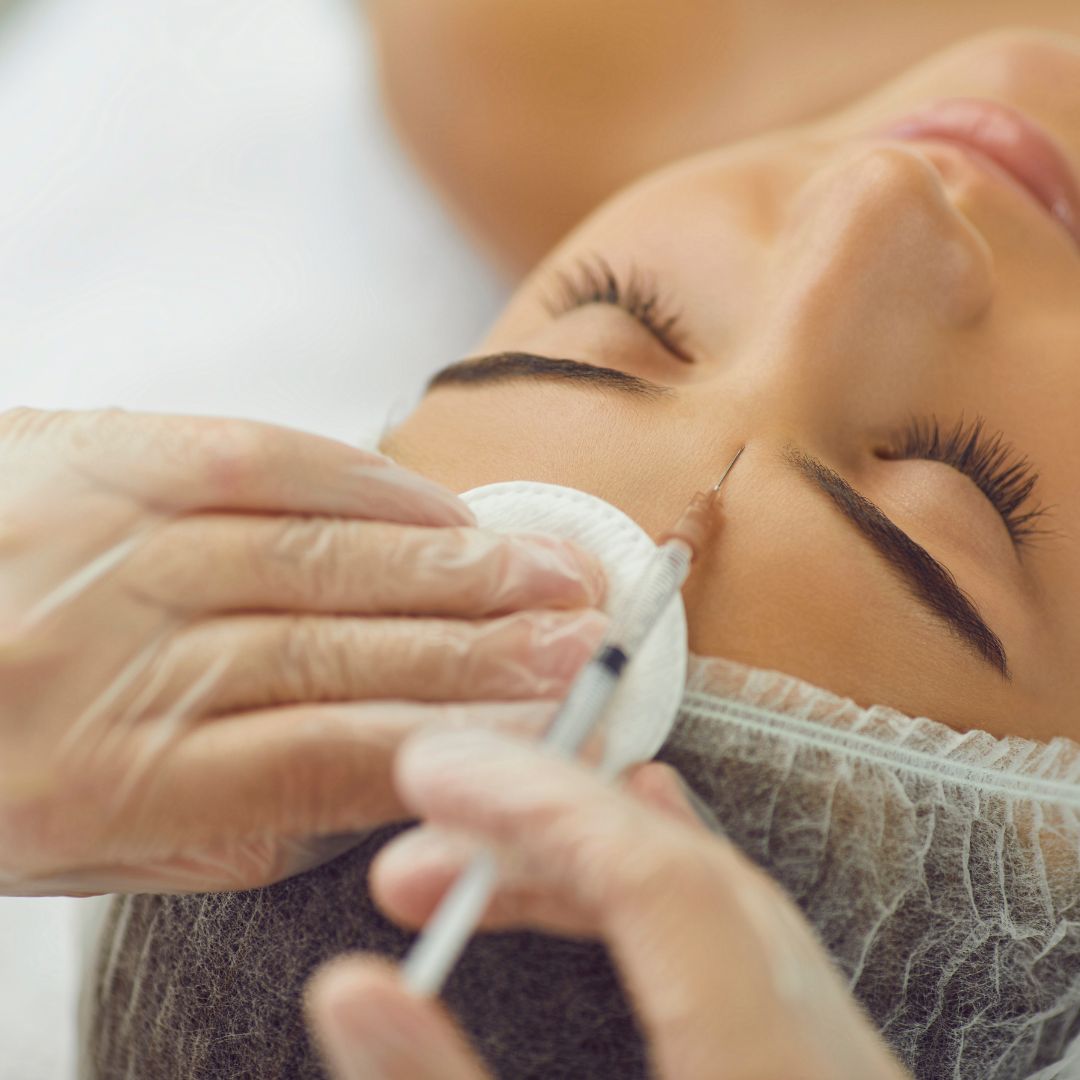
point(835, 293)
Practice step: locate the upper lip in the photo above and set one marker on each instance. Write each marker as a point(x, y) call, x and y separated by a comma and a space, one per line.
point(1011, 140)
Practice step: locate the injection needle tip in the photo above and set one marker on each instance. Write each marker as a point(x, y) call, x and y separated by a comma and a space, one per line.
point(730, 466)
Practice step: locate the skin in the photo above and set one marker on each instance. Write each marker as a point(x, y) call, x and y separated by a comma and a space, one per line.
point(830, 287)
point(457, 76)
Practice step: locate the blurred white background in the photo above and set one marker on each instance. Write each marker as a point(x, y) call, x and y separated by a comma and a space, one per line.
point(201, 210)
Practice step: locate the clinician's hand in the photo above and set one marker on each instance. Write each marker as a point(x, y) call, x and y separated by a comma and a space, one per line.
point(214, 633)
point(727, 977)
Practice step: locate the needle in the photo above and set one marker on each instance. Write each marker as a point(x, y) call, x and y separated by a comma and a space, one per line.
point(730, 466)
point(692, 528)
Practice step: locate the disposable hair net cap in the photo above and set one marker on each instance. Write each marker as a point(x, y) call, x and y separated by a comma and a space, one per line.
point(941, 868)
point(647, 699)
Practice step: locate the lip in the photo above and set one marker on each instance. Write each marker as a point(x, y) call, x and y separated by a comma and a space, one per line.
point(1010, 140)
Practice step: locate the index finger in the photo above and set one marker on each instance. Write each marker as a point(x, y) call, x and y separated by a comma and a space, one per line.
point(181, 464)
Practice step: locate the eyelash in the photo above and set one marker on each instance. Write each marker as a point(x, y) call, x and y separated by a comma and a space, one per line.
point(593, 281)
point(1003, 476)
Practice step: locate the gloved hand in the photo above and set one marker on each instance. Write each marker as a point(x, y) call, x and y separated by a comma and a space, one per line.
point(214, 633)
point(729, 980)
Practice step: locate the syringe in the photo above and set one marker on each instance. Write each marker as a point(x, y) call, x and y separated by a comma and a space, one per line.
point(446, 934)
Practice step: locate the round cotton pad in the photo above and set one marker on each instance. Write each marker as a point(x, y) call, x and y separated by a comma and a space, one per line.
point(645, 704)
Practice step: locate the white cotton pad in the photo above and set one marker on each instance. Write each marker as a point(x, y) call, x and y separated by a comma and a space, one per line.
point(647, 700)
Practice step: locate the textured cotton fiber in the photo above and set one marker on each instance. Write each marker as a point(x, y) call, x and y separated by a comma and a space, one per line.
point(650, 689)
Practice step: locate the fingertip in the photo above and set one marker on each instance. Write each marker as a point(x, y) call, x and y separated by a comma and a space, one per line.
point(331, 993)
point(369, 1025)
point(653, 778)
point(662, 787)
point(335, 1001)
point(346, 992)
point(387, 490)
point(410, 874)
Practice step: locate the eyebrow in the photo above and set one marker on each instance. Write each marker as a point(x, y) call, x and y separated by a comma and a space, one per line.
point(505, 366)
point(932, 584)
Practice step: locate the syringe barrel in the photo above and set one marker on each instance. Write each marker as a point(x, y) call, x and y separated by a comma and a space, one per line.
point(580, 712)
point(664, 578)
point(443, 939)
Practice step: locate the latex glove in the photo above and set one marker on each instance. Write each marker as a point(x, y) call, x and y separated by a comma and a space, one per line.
point(728, 979)
point(203, 657)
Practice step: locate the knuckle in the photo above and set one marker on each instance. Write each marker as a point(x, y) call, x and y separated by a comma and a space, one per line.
point(448, 548)
point(481, 651)
point(458, 569)
point(275, 553)
point(301, 651)
point(302, 559)
point(461, 548)
point(527, 653)
point(519, 632)
point(417, 569)
point(314, 658)
point(231, 453)
point(22, 424)
point(418, 656)
point(85, 431)
point(161, 569)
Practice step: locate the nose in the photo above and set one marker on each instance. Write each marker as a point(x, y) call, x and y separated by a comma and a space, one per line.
point(878, 279)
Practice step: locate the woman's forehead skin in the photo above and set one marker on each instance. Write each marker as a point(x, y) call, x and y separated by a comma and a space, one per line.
point(831, 287)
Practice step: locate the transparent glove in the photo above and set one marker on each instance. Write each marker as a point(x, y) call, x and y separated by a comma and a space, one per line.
point(728, 979)
point(214, 633)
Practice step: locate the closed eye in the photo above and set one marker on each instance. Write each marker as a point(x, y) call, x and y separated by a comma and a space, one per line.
point(1005, 477)
point(593, 281)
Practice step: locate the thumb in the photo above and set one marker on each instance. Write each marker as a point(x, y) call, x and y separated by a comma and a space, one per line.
point(661, 787)
point(369, 1027)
